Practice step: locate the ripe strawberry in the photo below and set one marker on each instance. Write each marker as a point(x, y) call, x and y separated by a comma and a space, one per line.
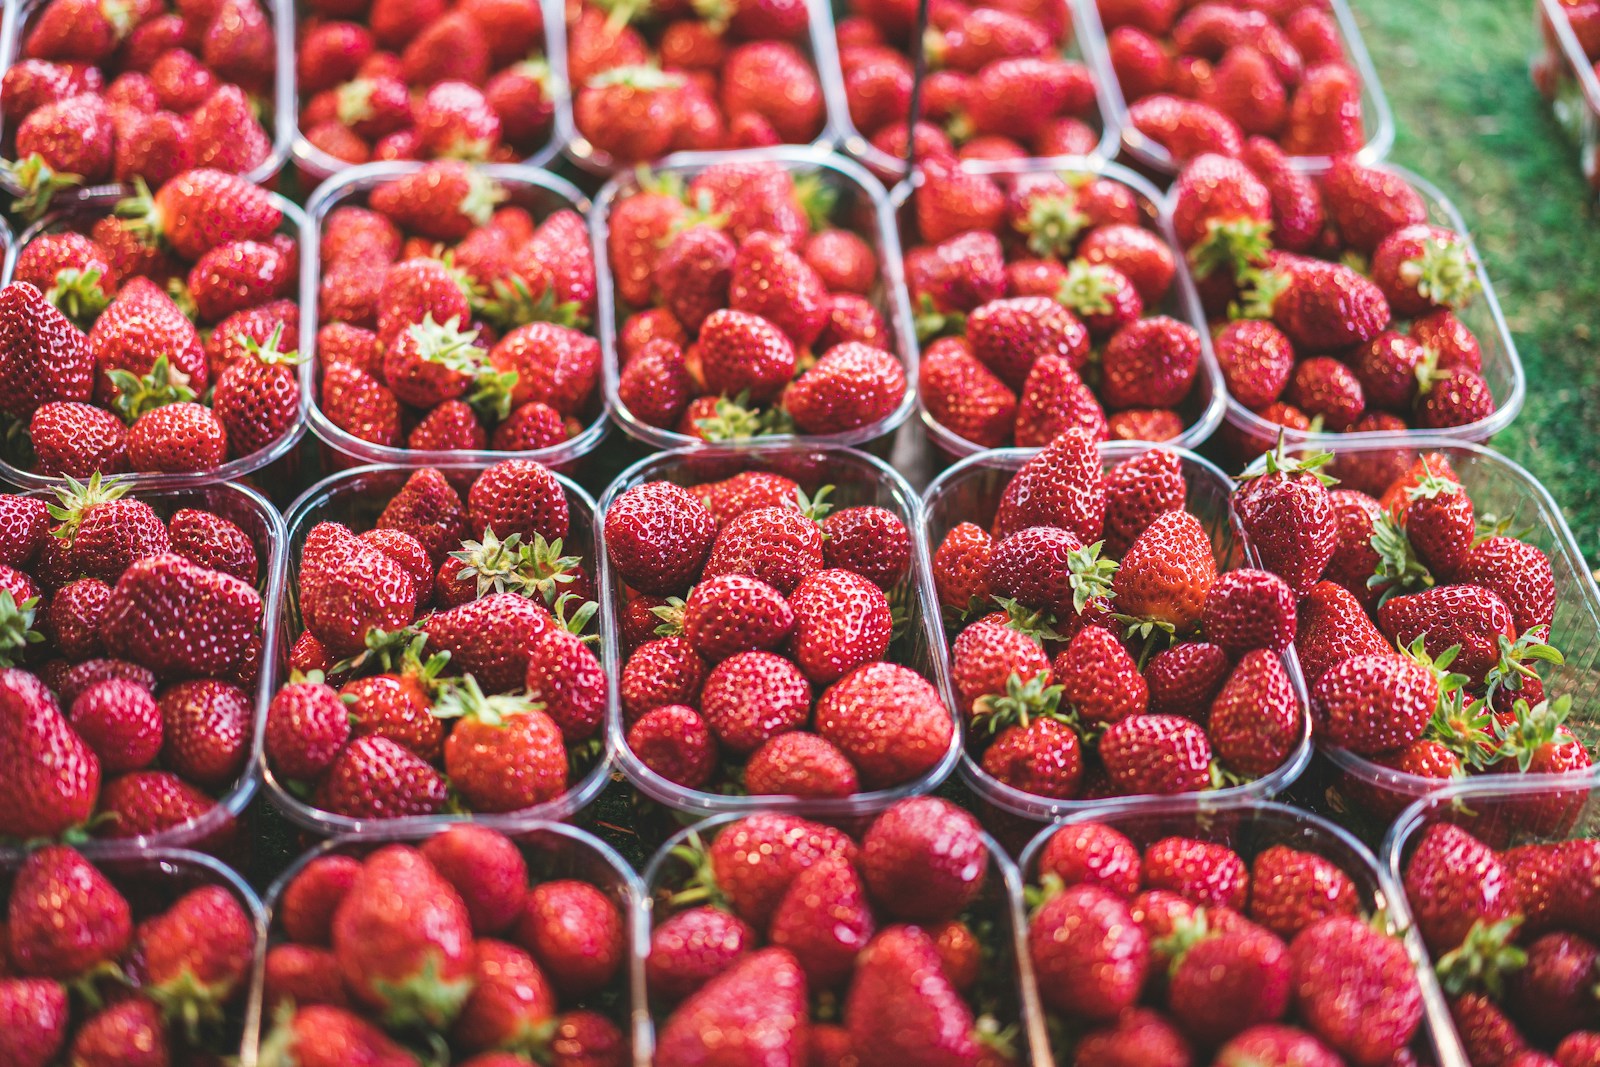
point(690, 948)
point(1448, 616)
point(842, 621)
point(576, 933)
point(568, 681)
point(1326, 389)
point(511, 998)
point(552, 363)
point(1328, 306)
point(301, 975)
point(1186, 128)
point(1150, 363)
point(1058, 487)
point(318, 1035)
point(177, 437)
point(954, 201)
point(851, 386)
point(35, 1011)
point(313, 895)
point(753, 861)
point(757, 1007)
point(443, 200)
point(750, 697)
point(1186, 678)
point(1456, 398)
point(1100, 682)
point(986, 656)
point(674, 742)
point(428, 509)
point(71, 619)
point(1446, 336)
point(129, 1033)
point(65, 918)
point(1008, 336)
point(178, 618)
point(213, 541)
point(1249, 609)
point(1286, 514)
point(307, 726)
point(1089, 953)
point(201, 209)
point(1137, 491)
point(1216, 199)
point(1356, 988)
point(780, 546)
point(1325, 116)
point(1422, 268)
point(1332, 627)
point(62, 144)
point(1255, 721)
point(1228, 981)
point(142, 803)
point(626, 112)
point(1370, 703)
point(519, 496)
point(800, 764)
point(1293, 889)
point(964, 396)
point(1518, 573)
point(1159, 754)
point(81, 676)
point(1167, 573)
point(1368, 204)
point(206, 727)
point(899, 976)
point(1207, 874)
point(929, 843)
point(667, 671)
point(196, 955)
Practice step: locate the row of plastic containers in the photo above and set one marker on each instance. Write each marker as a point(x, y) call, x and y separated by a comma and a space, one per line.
point(1489, 810)
point(1563, 70)
point(882, 219)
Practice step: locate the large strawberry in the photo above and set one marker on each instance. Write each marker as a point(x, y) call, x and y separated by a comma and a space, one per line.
point(901, 1006)
point(196, 955)
point(43, 357)
point(1061, 486)
point(1167, 573)
point(180, 619)
point(1089, 952)
point(348, 588)
point(320, 1035)
point(65, 919)
point(54, 777)
point(505, 753)
point(890, 722)
point(1287, 517)
point(757, 1009)
point(1356, 987)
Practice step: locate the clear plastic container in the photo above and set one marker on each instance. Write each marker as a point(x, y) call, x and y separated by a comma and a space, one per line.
point(152, 879)
point(1203, 410)
point(356, 498)
point(1572, 89)
point(1502, 369)
point(542, 194)
point(861, 207)
point(553, 851)
point(1000, 902)
point(1250, 826)
point(1375, 111)
point(318, 165)
point(970, 491)
point(817, 47)
point(1087, 46)
point(1500, 488)
point(857, 479)
point(20, 16)
point(78, 214)
point(260, 521)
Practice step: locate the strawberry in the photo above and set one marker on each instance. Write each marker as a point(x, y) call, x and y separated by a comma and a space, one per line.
point(356, 402)
point(1255, 722)
point(429, 509)
point(62, 144)
point(1008, 336)
point(1464, 616)
point(1100, 682)
point(734, 613)
point(306, 727)
point(1159, 754)
point(213, 541)
point(1518, 573)
point(741, 353)
point(1328, 306)
point(71, 620)
point(1150, 363)
point(690, 948)
point(403, 940)
point(1369, 703)
point(197, 954)
point(567, 679)
point(348, 588)
point(626, 112)
point(750, 697)
point(1167, 573)
point(129, 1033)
point(929, 843)
point(576, 933)
point(1137, 1035)
point(237, 276)
point(1220, 213)
point(313, 895)
point(780, 546)
point(953, 201)
point(986, 656)
point(82, 675)
point(399, 706)
point(1137, 491)
point(674, 742)
point(1286, 514)
point(1549, 995)
point(1207, 874)
point(1423, 268)
point(753, 861)
point(1456, 398)
point(302, 975)
point(1089, 953)
point(226, 133)
point(443, 200)
point(1332, 627)
point(316, 1035)
point(1186, 129)
point(964, 396)
point(1227, 981)
point(824, 920)
point(510, 1000)
point(693, 271)
point(799, 764)
point(757, 1008)
point(851, 386)
point(35, 1011)
point(842, 621)
point(655, 385)
point(141, 803)
point(1292, 889)
point(201, 209)
point(65, 919)
point(658, 536)
point(179, 618)
point(1368, 204)
point(1186, 678)
point(1446, 337)
point(1326, 389)
point(668, 671)
point(177, 437)
point(1058, 487)
point(1386, 368)
point(1092, 854)
point(1356, 988)
point(1055, 399)
point(75, 274)
point(1249, 609)
point(1276, 1043)
point(1325, 116)
point(639, 226)
point(898, 976)
point(206, 727)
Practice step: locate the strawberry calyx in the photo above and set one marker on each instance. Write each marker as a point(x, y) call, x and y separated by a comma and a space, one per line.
point(138, 394)
point(671, 616)
point(732, 420)
point(1259, 289)
point(621, 12)
point(39, 185)
point(1532, 728)
point(77, 499)
point(463, 698)
point(1187, 932)
point(446, 344)
point(931, 323)
point(1442, 273)
point(1052, 225)
point(701, 885)
point(1237, 246)
point(535, 570)
point(483, 195)
point(1465, 728)
point(1020, 704)
point(423, 999)
point(144, 217)
point(1398, 569)
point(491, 392)
point(353, 101)
point(1037, 624)
point(816, 198)
point(1514, 665)
point(1449, 682)
point(1091, 576)
point(77, 294)
point(1035, 897)
point(16, 628)
point(1279, 461)
point(661, 183)
point(580, 618)
point(640, 77)
point(513, 304)
point(1001, 1041)
point(1223, 778)
point(1087, 289)
point(188, 1002)
point(814, 506)
point(1484, 959)
point(270, 353)
point(386, 651)
point(1431, 486)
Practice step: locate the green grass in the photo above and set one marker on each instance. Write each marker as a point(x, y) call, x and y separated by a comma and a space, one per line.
point(1468, 118)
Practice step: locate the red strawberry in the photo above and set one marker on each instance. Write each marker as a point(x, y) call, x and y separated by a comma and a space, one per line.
point(71, 620)
point(842, 621)
point(1456, 398)
point(1286, 514)
point(213, 541)
point(961, 566)
point(674, 742)
point(1249, 609)
point(428, 509)
point(1325, 113)
point(825, 921)
point(65, 918)
point(1150, 363)
point(1518, 573)
point(1220, 210)
point(658, 536)
point(626, 112)
point(1167, 573)
point(757, 1008)
point(348, 588)
point(374, 778)
point(750, 697)
point(1058, 487)
point(781, 546)
point(35, 1013)
point(1422, 268)
point(1370, 703)
point(1292, 889)
point(1332, 627)
point(851, 386)
point(1100, 682)
point(800, 764)
point(864, 714)
point(302, 975)
point(1186, 128)
point(1228, 981)
point(692, 947)
point(1209, 875)
point(1368, 203)
point(899, 977)
point(741, 353)
point(206, 726)
point(1009, 336)
point(568, 681)
point(576, 933)
point(964, 396)
point(953, 201)
point(443, 200)
point(317, 1035)
point(1326, 389)
point(668, 671)
point(1356, 988)
point(1186, 678)
point(1327, 306)
point(1451, 615)
point(307, 725)
point(313, 895)
point(197, 954)
point(511, 999)
point(1256, 721)
point(129, 1033)
point(201, 209)
point(1089, 953)
point(1156, 754)
point(46, 358)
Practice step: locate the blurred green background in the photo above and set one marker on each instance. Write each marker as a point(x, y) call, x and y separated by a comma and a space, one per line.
point(1456, 73)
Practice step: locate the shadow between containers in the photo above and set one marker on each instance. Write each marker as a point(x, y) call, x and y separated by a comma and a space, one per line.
point(356, 497)
point(98, 202)
point(546, 192)
point(694, 466)
point(841, 173)
point(970, 491)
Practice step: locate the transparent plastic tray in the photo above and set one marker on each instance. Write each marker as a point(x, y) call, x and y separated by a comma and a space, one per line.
point(970, 491)
point(553, 851)
point(1087, 45)
point(1375, 111)
point(1500, 488)
point(858, 479)
point(260, 521)
point(1251, 826)
point(18, 18)
point(862, 207)
point(1203, 410)
point(539, 191)
point(1502, 369)
point(1001, 899)
point(816, 48)
point(1576, 89)
point(356, 498)
point(80, 212)
point(319, 165)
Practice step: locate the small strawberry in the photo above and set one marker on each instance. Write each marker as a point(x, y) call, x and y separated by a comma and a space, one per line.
point(1058, 487)
point(626, 112)
point(1150, 363)
point(511, 1000)
point(1186, 678)
point(307, 726)
point(443, 200)
point(964, 396)
point(1167, 573)
point(201, 209)
point(1367, 204)
point(1332, 627)
point(1292, 889)
point(853, 385)
point(1466, 617)
point(318, 1035)
point(666, 671)
point(1370, 703)
point(206, 731)
point(1249, 609)
point(690, 948)
point(674, 742)
point(213, 541)
point(750, 697)
point(1256, 720)
point(842, 621)
point(129, 1033)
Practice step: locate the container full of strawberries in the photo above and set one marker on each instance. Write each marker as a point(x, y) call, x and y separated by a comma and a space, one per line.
point(1448, 623)
point(437, 656)
point(449, 306)
point(1350, 300)
point(771, 632)
point(477, 81)
point(97, 94)
point(1249, 931)
point(133, 628)
point(897, 942)
point(1005, 82)
point(753, 295)
point(1563, 70)
point(649, 80)
point(1105, 640)
point(1201, 78)
point(1501, 877)
point(155, 336)
point(461, 945)
point(126, 960)
point(1047, 299)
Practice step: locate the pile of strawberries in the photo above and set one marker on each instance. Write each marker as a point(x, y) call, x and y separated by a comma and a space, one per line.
point(675, 76)
point(1308, 341)
point(743, 311)
point(772, 670)
point(130, 647)
point(392, 958)
point(1037, 298)
point(450, 319)
point(447, 636)
point(997, 87)
point(1105, 655)
point(1202, 77)
point(899, 933)
point(90, 978)
point(1186, 951)
point(422, 79)
point(1419, 636)
point(104, 91)
point(1513, 934)
point(162, 339)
